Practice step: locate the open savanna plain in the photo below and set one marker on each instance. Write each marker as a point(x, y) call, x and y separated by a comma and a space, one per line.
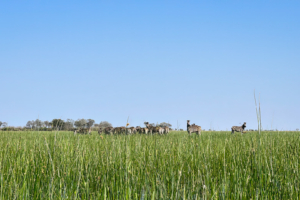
point(215, 165)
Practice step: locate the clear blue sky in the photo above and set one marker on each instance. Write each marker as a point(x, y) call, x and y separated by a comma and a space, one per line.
point(152, 61)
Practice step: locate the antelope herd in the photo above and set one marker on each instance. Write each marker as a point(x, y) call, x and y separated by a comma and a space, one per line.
point(83, 131)
point(151, 129)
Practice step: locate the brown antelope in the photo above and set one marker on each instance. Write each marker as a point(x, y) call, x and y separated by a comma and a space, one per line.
point(117, 130)
point(100, 130)
point(144, 130)
point(128, 131)
point(161, 130)
point(133, 130)
point(167, 130)
point(193, 128)
point(138, 129)
point(108, 130)
point(238, 128)
point(164, 130)
point(75, 131)
point(153, 129)
point(83, 131)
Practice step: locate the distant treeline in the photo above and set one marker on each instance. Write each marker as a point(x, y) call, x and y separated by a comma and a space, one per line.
point(59, 124)
point(55, 124)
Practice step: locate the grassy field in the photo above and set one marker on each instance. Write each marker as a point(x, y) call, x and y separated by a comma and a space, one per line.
point(216, 165)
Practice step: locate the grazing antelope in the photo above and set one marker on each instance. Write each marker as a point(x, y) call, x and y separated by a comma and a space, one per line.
point(118, 130)
point(128, 131)
point(138, 129)
point(238, 128)
point(88, 131)
point(100, 130)
point(83, 131)
point(108, 130)
point(153, 129)
point(144, 130)
point(75, 131)
point(166, 130)
point(193, 128)
point(123, 129)
point(161, 130)
point(133, 130)
point(141, 130)
point(157, 129)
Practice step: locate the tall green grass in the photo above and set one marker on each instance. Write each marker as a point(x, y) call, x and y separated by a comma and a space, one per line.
point(215, 165)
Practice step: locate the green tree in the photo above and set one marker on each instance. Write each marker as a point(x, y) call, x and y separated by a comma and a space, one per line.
point(90, 123)
point(164, 124)
point(4, 124)
point(105, 124)
point(38, 123)
point(58, 123)
point(80, 123)
point(69, 124)
point(47, 124)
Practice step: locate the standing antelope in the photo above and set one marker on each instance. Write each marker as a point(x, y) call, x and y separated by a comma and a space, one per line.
point(118, 130)
point(167, 130)
point(153, 129)
point(238, 128)
point(108, 130)
point(193, 128)
point(133, 130)
point(138, 129)
point(144, 130)
point(83, 131)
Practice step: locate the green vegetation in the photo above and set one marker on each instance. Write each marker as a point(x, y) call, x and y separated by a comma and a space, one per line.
point(215, 165)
